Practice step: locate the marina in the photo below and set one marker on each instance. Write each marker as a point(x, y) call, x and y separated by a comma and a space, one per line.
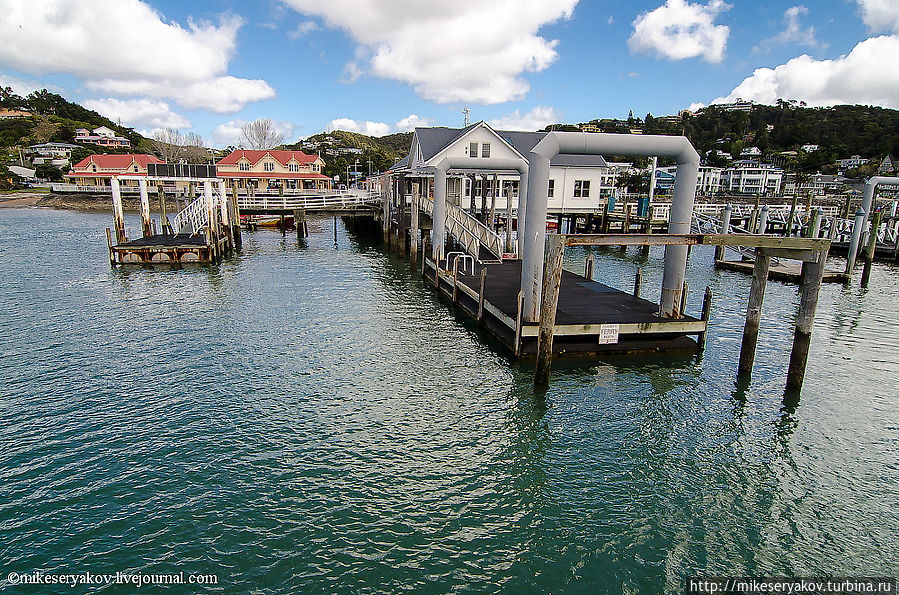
point(349, 427)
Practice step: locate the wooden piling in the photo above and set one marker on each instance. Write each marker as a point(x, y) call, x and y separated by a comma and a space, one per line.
point(146, 226)
point(683, 299)
point(414, 234)
point(725, 229)
point(754, 310)
point(872, 246)
point(109, 245)
point(455, 279)
point(552, 279)
point(298, 224)
point(789, 230)
point(810, 288)
point(516, 348)
point(481, 296)
point(638, 281)
point(588, 268)
point(706, 314)
point(509, 246)
point(117, 214)
point(283, 226)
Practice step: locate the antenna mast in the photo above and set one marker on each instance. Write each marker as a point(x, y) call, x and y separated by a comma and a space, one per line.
point(466, 112)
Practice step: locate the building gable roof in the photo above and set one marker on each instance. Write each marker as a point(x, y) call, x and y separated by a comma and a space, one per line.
point(434, 140)
point(117, 161)
point(282, 157)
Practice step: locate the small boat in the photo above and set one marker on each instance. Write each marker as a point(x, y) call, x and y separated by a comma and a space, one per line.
point(274, 222)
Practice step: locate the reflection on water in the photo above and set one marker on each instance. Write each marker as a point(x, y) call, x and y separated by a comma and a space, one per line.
point(311, 417)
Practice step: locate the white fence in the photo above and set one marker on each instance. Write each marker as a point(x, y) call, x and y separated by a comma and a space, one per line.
point(310, 201)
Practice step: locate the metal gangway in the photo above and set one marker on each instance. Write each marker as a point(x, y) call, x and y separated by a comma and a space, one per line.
point(468, 231)
point(310, 200)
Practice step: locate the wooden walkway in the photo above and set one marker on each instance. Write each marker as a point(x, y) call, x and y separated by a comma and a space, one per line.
point(788, 271)
point(584, 308)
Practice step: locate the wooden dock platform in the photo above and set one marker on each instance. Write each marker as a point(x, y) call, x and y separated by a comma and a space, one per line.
point(788, 271)
point(586, 310)
point(162, 248)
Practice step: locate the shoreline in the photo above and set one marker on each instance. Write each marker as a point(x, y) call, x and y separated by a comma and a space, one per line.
point(88, 203)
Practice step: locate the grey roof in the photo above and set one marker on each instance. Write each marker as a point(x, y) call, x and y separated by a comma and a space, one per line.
point(401, 164)
point(434, 140)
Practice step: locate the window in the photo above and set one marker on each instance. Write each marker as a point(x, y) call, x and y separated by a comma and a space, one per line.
point(268, 166)
point(136, 169)
point(294, 167)
point(244, 166)
point(552, 189)
point(581, 188)
point(485, 150)
point(473, 149)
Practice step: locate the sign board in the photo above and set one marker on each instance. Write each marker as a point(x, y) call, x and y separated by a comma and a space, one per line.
point(608, 334)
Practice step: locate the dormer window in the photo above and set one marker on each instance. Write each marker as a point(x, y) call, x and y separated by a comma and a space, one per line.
point(136, 169)
point(268, 166)
point(294, 167)
point(243, 166)
point(94, 168)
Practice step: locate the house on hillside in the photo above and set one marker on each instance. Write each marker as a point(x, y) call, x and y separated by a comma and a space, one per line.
point(13, 113)
point(708, 179)
point(57, 154)
point(101, 136)
point(577, 183)
point(95, 171)
point(273, 171)
point(751, 177)
point(887, 166)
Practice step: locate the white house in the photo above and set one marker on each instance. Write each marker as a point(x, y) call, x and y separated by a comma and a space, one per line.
point(577, 183)
point(708, 180)
point(750, 177)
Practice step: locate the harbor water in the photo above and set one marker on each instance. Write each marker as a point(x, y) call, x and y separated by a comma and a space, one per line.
point(310, 417)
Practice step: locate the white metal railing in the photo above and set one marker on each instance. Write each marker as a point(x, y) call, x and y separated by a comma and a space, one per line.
point(467, 230)
point(195, 215)
point(310, 202)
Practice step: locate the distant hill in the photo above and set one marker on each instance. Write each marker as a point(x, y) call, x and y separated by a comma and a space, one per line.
point(360, 153)
point(840, 132)
point(55, 119)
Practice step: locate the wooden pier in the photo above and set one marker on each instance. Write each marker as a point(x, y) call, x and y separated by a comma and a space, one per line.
point(786, 271)
point(588, 311)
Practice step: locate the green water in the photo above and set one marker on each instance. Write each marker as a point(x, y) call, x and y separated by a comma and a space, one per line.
point(311, 418)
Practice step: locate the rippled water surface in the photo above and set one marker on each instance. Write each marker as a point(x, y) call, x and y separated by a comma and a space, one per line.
point(312, 418)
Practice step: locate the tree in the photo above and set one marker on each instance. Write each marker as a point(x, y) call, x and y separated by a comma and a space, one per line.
point(168, 144)
point(193, 148)
point(48, 172)
point(260, 135)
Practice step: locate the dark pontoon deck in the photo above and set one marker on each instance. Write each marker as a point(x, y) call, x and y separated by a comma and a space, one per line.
point(584, 308)
point(162, 248)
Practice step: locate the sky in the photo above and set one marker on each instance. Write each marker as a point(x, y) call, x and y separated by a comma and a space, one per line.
point(384, 66)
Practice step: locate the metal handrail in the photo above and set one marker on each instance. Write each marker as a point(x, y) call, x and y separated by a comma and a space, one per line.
point(196, 214)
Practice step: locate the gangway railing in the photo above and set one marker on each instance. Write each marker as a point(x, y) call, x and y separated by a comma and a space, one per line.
point(195, 217)
point(310, 202)
point(468, 231)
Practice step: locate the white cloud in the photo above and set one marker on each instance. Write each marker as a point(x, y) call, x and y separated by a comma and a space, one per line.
point(368, 128)
point(303, 29)
point(23, 88)
point(126, 45)
point(536, 119)
point(411, 122)
point(867, 75)
point(138, 112)
point(463, 51)
point(228, 133)
point(223, 94)
point(793, 33)
point(678, 30)
point(880, 15)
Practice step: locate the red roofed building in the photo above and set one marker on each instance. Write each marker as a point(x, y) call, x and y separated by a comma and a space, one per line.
point(273, 170)
point(96, 170)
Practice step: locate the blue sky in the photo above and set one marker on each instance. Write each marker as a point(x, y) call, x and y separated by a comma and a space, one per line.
point(380, 66)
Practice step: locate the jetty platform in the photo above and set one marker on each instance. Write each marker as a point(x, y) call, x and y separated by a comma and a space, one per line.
point(164, 248)
point(587, 310)
point(789, 271)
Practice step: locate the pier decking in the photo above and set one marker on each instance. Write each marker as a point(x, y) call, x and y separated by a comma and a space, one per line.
point(162, 248)
point(787, 271)
point(586, 309)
